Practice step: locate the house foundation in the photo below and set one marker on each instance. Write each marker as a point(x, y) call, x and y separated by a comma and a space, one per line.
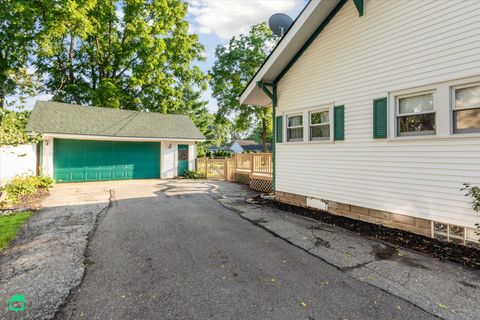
point(424, 227)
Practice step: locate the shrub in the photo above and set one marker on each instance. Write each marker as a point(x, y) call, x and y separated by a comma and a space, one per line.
point(192, 174)
point(25, 186)
point(474, 193)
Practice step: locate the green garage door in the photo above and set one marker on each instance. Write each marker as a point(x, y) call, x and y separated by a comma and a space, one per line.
point(89, 160)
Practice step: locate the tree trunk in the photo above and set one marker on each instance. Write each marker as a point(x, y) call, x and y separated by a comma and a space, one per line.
point(71, 73)
point(2, 104)
point(2, 101)
point(264, 135)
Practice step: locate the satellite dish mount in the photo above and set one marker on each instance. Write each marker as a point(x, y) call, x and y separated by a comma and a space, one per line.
point(279, 23)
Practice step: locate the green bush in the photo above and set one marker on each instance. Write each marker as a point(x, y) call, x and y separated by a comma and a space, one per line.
point(192, 174)
point(474, 193)
point(25, 186)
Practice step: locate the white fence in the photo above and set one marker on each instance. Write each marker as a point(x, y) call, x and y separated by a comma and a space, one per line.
point(19, 160)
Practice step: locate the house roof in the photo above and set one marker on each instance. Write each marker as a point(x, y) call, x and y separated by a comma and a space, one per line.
point(63, 118)
point(311, 21)
point(222, 148)
point(244, 143)
point(250, 145)
point(255, 147)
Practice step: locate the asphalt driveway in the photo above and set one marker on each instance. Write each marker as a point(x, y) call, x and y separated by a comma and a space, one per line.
point(169, 250)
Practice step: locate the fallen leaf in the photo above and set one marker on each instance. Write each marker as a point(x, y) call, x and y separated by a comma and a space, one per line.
point(304, 304)
point(442, 306)
point(272, 280)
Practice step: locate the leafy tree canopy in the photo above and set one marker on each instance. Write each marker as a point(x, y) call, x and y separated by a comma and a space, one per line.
point(12, 129)
point(17, 21)
point(235, 65)
point(130, 54)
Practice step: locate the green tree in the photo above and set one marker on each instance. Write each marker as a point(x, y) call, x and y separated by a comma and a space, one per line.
point(16, 44)
point(196, 109)
point(235, 65)
point(12, 129)
point(130, 54)
point(257, 132)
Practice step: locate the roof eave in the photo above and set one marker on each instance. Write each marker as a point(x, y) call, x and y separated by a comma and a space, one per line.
point(118, 138)
point(299, 35)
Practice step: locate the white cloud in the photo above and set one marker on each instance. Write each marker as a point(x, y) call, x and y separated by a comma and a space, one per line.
point(29, 102)
point(227, 18)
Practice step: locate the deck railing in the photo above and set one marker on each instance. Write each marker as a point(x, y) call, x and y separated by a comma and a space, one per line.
point(256, 165)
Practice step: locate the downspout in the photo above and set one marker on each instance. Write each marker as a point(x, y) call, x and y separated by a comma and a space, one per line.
point(272, 94)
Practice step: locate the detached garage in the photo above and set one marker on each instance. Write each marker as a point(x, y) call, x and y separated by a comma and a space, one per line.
point(91, 144)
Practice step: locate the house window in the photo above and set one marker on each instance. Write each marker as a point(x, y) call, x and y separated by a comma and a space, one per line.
point(295, 128)
point(466, 109)
point(416, 115)
point(320, 125)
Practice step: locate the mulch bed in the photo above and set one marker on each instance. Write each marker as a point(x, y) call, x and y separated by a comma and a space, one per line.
point(33, 202)
point(460, 254)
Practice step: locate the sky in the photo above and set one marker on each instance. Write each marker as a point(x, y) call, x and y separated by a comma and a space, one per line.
point(217, 21)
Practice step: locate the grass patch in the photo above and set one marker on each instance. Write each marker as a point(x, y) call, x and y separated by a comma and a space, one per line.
point(10, 225)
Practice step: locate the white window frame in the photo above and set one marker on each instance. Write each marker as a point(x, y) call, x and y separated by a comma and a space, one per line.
point(443, 104)
point(310, 125)
point(453, 108)
point(294, 127)
point(398, 115)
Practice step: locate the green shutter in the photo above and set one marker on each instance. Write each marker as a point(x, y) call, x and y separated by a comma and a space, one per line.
point(339, 122)
point(279, 128)
point(380, 118)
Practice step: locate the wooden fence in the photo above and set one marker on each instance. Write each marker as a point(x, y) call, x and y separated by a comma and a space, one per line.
point(255, 165)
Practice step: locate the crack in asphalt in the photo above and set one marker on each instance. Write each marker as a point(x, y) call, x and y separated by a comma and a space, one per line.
point(86, 256)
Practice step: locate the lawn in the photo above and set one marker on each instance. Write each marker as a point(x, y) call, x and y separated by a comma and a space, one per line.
point(10, 225)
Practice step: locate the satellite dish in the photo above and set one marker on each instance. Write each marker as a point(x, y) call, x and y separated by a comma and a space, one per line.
point(279, 23)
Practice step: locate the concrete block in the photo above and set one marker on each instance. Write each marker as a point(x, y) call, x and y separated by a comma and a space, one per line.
point(423, 223)
point(403, 219)
point(359, 210)
point(379, 214)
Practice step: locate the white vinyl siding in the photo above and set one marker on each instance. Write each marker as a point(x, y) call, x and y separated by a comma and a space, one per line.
point(168, 159)
point(397, 46)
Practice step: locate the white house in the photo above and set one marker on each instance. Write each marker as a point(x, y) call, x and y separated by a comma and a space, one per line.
point(377, 112)
point(240, 146)
point(88, 143)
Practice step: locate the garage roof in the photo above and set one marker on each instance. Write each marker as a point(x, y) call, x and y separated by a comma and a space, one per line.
point(64, 118)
